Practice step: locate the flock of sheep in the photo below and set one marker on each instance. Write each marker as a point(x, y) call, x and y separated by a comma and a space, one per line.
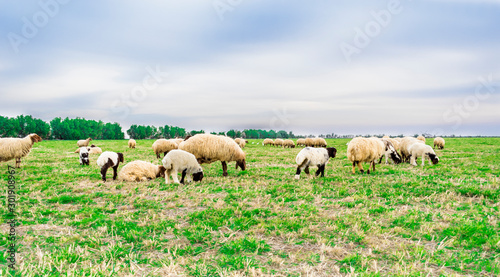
point(186, 155)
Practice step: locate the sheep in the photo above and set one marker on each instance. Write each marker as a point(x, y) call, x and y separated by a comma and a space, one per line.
point(394, 143)
point(361, 150)
point(313, 157)
point(94, 149)
point(268, 141)
point(404, 145)
point(288, 143)
point(439, 142)
point(301, 142)
point(164, 146)
point(83, 142)
point(422, 150)
point(319, 142)
point(131, 143)
point(17, 148)
point(278, 142)
point(208, 148)
point(241, 142)
point(422, 138)
point(84, 156)
point(181, 161)
point(309, 142)
point(109, 159)
point(139, 171)
point(385, 137)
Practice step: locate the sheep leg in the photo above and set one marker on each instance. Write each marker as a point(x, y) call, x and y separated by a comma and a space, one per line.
point(183, 174)
point(373, 163)
point(412, 160)
point(104, 169)
point(353, 167)
point(360, 166)
point(158, 155)
point(18, 162)
point(381, 157)
point(321, 170)
point(306, 170)
point(224, 168)
point(167, 174)
point(423, 159)
point(115, 172)
point(175, 177)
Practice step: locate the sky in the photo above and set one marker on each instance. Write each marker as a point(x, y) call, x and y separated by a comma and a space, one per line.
point(311, 67)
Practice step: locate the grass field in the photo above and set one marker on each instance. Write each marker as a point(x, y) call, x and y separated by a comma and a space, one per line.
point(400, 220)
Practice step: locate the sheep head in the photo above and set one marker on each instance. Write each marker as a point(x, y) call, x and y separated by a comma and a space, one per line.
point(332, 152)
point(241, 164)
point(434, 158)
point(120, 157)
point(161, 171)
point(198, 176)
point(35, 138)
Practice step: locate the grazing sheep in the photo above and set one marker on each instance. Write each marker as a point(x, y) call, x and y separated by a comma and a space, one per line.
point(95, 150)
point(422, 150)
point(301, 142)
point(288, 143)
point(241, 142)
point(439, 142)
point(319, 142)
point(138, 171)
point(84, 156)
point(394, 143)
point(17, 148)
point(268, 142)
point(278, 142)
point(422, 138)
point(83, 142)
point(208, 148)
point(181, 161)
point(360, 150)
point(313, 157)
point(164, 146)
point(109, 159)
point(404, 145)
point(131, 143)
point(309, 142)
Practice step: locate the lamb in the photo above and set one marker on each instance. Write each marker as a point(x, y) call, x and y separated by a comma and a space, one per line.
point(309, 142)
point(394, 143)
point(181, 161)
point(439, 142)
point(109, 159)
point(278, 142)
point(84, 156)
point(301, 142)
point(319, 142)
point(83, 142)
point(94, 149)
point(404, 145)
point(208, 148)
point(313, 157)
point(361, 150)
point(288, 143)
point(164, 146)
point(268, 142)
point(422, 150)
point(422, 138)
point(139, 171)
point(241, 142)
point(17, 148)
point(131, 143)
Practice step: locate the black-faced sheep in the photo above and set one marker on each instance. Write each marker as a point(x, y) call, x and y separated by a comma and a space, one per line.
point(139, 171)
point(164, 146)
point(181, 161)
point(439, 142)
point(404, 146)
point(17, 148)
point(422, 150)
point(208, 148)
point(394, 143)
point(361, 150)
point(131, 143)
point(83, 142)
point(268, 142)
point(109, 159)
point(313, 157)
point(84, 156)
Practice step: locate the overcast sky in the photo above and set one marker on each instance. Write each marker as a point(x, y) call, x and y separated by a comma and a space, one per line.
point(348, 67)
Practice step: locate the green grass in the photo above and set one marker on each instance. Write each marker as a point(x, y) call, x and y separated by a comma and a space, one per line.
point(399, 221)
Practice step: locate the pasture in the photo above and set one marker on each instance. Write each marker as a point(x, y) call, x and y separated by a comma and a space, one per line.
point(399, 221)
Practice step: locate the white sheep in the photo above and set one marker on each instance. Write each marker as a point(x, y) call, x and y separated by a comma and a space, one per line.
point(164, 146)
point(241, 142)
point(84, 156)
point(310, 156)
point(131, 143)
point(83, 142)
point(439, 142)
point(422, 138)
point(319, 142)
point(139, 171)
point(301, 142)
point(422, 150)
point(394, 143)
point(288, 143)
point(268, 141)
point(109, 159)
point(208, 148)
point(310, 142)
point(278, 142)
point(181, 161)
point(17, 148)
point(404, 147)
point(94, 150)
point(361, 150)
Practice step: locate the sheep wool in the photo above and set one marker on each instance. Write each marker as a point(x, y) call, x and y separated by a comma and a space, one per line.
point(301, 142)
point(83, 142)
point(288, 143)
point(404, 145)
point(131, 143)
point(268, 142)
point(241, 142)
point(17, 148)
point(181, 161)
point(313, 157)
point(164, 146)
point(208, 148)
point(394, 143)
point(309, 142)
point(94, 150)
point(422, 138)
point(361, 150)
point(422, 150)
point(84, 156)
point(439, 142)
point(319, 142)
point(109, 159)
point(278, 142)
point(139, 171)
